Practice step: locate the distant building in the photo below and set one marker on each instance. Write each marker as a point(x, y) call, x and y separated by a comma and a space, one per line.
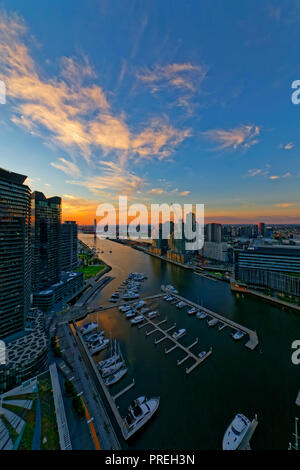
point(46, 238)
point(69, 241)
point(274, 267)
point(214, 233)
point(216, 251)
point(261, 229)
point(15, 252)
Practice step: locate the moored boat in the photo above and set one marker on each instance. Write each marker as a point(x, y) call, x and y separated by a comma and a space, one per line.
point(179, 333)
point(235, 432)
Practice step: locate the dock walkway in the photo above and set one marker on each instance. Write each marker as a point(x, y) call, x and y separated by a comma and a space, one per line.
point(253, 337)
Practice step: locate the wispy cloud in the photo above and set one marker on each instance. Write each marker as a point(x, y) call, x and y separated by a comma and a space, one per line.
point(284, 205)
point(185, 78)
point(184, 193)
point(287, 146)
point(266, 173)
point(67, 167)
point(242, 137)
point(113, 179)
point(156, 191)
point(75, 116)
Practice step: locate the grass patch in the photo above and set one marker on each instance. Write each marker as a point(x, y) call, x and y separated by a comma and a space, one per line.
point(12, 432)
point(49, 425)
point(29, 417)
point(24, 396)
point(90, 271)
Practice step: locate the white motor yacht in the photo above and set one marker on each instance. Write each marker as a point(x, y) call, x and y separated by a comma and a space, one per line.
point(139, 412)
point(237, 335)
point(89, 327)
point(236, 432)
point(179, 333)
point(137, 319)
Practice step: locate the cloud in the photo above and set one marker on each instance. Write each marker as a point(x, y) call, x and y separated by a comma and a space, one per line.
point(113, 179)
point(242, 137)
point(67, 167)
point(156, 191)
point(184, 78)
point(284, 205)
point(184, 193)
point(70, 114)
point(287, 146)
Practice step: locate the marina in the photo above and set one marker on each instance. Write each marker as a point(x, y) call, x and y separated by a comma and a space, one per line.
point(217, 380)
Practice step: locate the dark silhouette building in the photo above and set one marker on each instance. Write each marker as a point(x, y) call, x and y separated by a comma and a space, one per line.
point(69, 241)
point(15, 252)
point(46, 238)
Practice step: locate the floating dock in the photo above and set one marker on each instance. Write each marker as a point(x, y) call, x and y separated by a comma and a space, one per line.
point(298, 399)
point(245, 444)
point(253, 337)
point(186, 349)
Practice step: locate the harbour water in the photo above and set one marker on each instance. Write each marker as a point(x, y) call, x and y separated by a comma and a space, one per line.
point(196, 409)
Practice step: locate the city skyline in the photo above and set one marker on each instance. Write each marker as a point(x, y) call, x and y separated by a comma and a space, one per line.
point(153, 106)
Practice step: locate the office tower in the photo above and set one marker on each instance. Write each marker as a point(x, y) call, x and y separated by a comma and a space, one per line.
point(214, 233)
point(254, 231)
point(261, 229)
point(15, 252)
point(68, 246)
point(46, 239)
point(274, 267)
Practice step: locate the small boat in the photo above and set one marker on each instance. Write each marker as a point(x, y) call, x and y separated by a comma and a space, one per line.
point(112, 379)
point(140, 304)
point(95, 336)
point(89, 327)
point(202, 354)
point(152, 314)
point(179, 333)
point(212, 322)
point(124, 308)
point(137, 319)
point(171, 288)
point(130, 314)
point(192, 311)
point(236, 432)
point(237, 335)
point(139, 412)
point(130, 296)
point(98, 346)
point(201, 315)
point(180, 304)
point(112, 369)
point(145, 310)
point(108, 362)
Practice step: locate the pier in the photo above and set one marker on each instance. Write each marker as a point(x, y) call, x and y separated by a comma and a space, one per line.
point(245, 444)
point(176, 344)
point(253, 338)
point(111, 399)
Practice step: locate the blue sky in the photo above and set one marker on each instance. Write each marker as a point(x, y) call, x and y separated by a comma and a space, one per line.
point(163, 101)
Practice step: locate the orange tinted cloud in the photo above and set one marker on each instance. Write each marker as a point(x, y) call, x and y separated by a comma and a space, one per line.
point(243, 137)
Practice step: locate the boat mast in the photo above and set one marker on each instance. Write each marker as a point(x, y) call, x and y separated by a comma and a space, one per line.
point(296, 446)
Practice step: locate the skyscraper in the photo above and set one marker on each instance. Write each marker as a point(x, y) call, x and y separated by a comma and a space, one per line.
point(214, 233)
point(261, 229)
point(15, 252)
point(68, 246)
point(46, 238)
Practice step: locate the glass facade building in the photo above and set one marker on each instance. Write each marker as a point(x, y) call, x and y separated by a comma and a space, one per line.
point(69, 241)
point(46, 239)
point(15, 252)
point(275, 267)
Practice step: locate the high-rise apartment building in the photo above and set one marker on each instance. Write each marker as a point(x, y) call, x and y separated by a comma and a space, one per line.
point(69, 242)
point(214, 233)
point(46, 239)
point(15, 252)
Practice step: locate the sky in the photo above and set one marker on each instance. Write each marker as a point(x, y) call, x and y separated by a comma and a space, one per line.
point(183, 102)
